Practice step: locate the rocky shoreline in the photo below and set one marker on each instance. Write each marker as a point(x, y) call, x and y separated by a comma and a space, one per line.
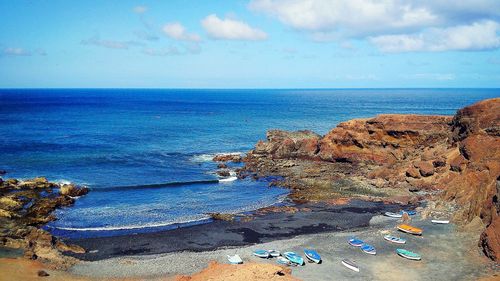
point(451, 162)
point(26, 206)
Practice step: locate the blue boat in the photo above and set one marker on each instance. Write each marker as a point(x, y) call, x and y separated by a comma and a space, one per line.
point(312, 255)
point(294, 258)
point(355, 242)
point(369, 249)
point(261, 254)
point(410, 213)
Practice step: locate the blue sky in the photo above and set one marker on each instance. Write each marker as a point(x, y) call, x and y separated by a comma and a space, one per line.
point(250, 44)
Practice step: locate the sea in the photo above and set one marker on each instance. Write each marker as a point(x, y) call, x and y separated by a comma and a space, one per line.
point(146, 154)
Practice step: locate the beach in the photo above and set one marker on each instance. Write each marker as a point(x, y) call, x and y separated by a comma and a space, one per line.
point(447, 253)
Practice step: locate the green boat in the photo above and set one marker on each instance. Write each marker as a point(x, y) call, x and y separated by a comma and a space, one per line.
point(409, 255)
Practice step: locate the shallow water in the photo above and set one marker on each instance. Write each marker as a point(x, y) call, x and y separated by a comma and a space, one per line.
point(130, 138)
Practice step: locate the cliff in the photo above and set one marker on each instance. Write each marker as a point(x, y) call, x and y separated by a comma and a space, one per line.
point(449, 160)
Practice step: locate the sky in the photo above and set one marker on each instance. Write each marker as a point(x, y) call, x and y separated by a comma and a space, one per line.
point(249, 44)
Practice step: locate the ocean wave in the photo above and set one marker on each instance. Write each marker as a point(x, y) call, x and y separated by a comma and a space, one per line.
point(135, 226)
point(154, 185)
point(230, 179)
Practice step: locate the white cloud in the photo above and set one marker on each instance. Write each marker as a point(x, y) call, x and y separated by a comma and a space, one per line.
point(140, 9)
point(231, 29)
point(393, 25)
point(349, 17)
point(477, 36)
point(110, 44)
point(17, 52)
point(178, 32)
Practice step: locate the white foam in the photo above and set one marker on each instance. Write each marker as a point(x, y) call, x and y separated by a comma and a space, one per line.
point(210, 156)
point(230, 179)
point(130, 227)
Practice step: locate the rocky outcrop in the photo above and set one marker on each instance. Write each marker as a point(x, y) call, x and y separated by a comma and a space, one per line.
point(247, 271)
point(282, 144)
point(453, 158)
point(27, 205)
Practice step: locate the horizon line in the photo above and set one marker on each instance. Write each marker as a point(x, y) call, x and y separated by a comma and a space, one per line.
point(215, 88)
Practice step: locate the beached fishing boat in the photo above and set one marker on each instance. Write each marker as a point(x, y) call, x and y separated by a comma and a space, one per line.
point(369, 249)
point(261, 254)
point(440, 221)
point(274, 253)
point(394, 239)
point(350, 264)
point(355, 242)
point(409, 212)
point(294, 258)
point(410, 229)
point(234, 259)
point(408, 254)
point(283, 261)
point(312, 256)
point(393, 215)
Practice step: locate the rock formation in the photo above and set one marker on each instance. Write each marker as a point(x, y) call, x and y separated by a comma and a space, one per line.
point(389, 157)
point(27, 205)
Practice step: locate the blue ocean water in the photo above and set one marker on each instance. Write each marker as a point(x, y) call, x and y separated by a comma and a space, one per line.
point(116, 141)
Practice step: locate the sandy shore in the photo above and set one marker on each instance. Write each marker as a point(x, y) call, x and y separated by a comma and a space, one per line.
point(448, 254)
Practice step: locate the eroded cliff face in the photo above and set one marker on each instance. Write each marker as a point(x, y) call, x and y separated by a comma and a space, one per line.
point(448, 159)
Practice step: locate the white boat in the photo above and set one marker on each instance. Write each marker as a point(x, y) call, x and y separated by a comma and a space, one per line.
point(440, 221)
point(393, 215)
point(234, 259)
point(394, 239)
point(350, 264)
point(274, 253)
point(283, 261)
point(261, 254)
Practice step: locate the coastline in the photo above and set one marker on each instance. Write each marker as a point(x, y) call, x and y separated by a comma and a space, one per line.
point(448, 255)
point(448, 164)
point(260, 227)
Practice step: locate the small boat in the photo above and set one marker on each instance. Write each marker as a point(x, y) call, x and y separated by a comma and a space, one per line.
point(393, 215)
point(394, 239)
point(261, 254)
point(410, 212)
point(350, 264)
point(369, 249)
point(294, 258)
point(234, 259)
point(274, 253)
point(355, 242)
point(440, 221)
point(312, 256)
point(410, 229)
point(408, 255)
point(283, 261)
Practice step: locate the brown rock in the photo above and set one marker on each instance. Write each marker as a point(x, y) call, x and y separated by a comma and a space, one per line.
point(425, 168)
point(222, 166)
point(43, 273)
point(413, 172)
point(223, 173)
point(227, 157)
point(72, 190)
point(490, 239)
point(377, 138)
point(283, 144)
point(457, 163)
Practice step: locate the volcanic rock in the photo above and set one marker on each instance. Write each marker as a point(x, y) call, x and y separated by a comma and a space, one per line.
point(388, 156)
